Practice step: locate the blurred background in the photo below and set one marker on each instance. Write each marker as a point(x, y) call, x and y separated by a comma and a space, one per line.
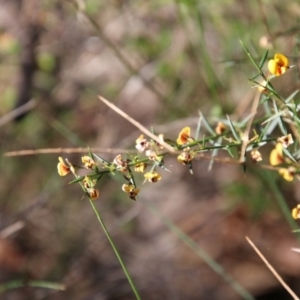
point(160, 61)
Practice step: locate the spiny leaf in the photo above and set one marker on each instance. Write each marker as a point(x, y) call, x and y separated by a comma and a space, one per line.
point(233, 129)
point(263, 59)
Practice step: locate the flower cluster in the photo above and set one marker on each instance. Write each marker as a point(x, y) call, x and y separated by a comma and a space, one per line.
point(233, 137)
point(277, 158)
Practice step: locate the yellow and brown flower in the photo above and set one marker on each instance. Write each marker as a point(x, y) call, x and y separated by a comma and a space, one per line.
point(276, 156)
point(286, 140)
point(89, 163)
point(296, 212)
point(185, 157)
point(130, 190)
point(256, 156)
point(220, 128)
point(287, 173)
point(62, 168)
point(152, 176)
point(140, 167)
point(141, 143)
point(278, 65)
point(184, 136)
point(122, 165)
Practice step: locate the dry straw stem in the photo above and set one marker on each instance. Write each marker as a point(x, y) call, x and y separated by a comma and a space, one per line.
point(65, 150)
point(18, 112)
point(137, 125)
point(272, 270)
point(245, 137)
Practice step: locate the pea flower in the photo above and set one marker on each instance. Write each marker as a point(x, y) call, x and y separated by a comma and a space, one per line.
point(184, 136)
point(296, 212)
point(130, 190)
point(141, 143)
point(256, 156)
point(185, 157)
point(140, 167)
point(93, 193)
point(152, 155)
point(278, 65)
point(89, 163)
point(276, 156)
point(152, 176)
point(286, 140)
point(220, 128)
point(287, 173)
point(62, 168)
point(122, 164)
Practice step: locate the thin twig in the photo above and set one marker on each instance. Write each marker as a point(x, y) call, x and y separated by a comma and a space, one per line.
point(137, 124)
point(272, 270)
point(21, 110)
point(65, 150)
point(245, 137)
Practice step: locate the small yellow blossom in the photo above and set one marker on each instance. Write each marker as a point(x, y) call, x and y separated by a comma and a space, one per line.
point(89, 163)
point(152, 176)
point(286, 140)
point(278, 65)
point(296, 212)
point(130, 190)
point(62, 168)
point(287, 174)
point(93, 193)
point(276, 156)
point(140, 167)
point(141, 144)
point(151, 154)
point(185, 157)
point(184, 136)
point(256, 156)
point(220, 128)
point(122, 164)
point(88, 182)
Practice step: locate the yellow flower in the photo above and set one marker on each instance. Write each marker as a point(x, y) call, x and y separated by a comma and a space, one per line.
point(93, 193)
point(152, 176)
point(287, 174)
point(140, 168)
point(256, 156)
point(278, 65)
point(122, 164)
point(185, 157)
point(220, 128)
point(296, 212)
point(141, 143)
point(130, 190)
point(152, 155)
point(184, 136)
point(88, 162)
point(286, 140)
point(88, 182)
point(276, 156)
point(62, 168)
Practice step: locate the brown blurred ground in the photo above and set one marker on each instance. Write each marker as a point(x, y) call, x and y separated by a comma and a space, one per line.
point(50, 52)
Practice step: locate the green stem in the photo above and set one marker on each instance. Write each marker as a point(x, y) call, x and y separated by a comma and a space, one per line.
point(269, 179)
point(33, 283)
point(116, 251)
